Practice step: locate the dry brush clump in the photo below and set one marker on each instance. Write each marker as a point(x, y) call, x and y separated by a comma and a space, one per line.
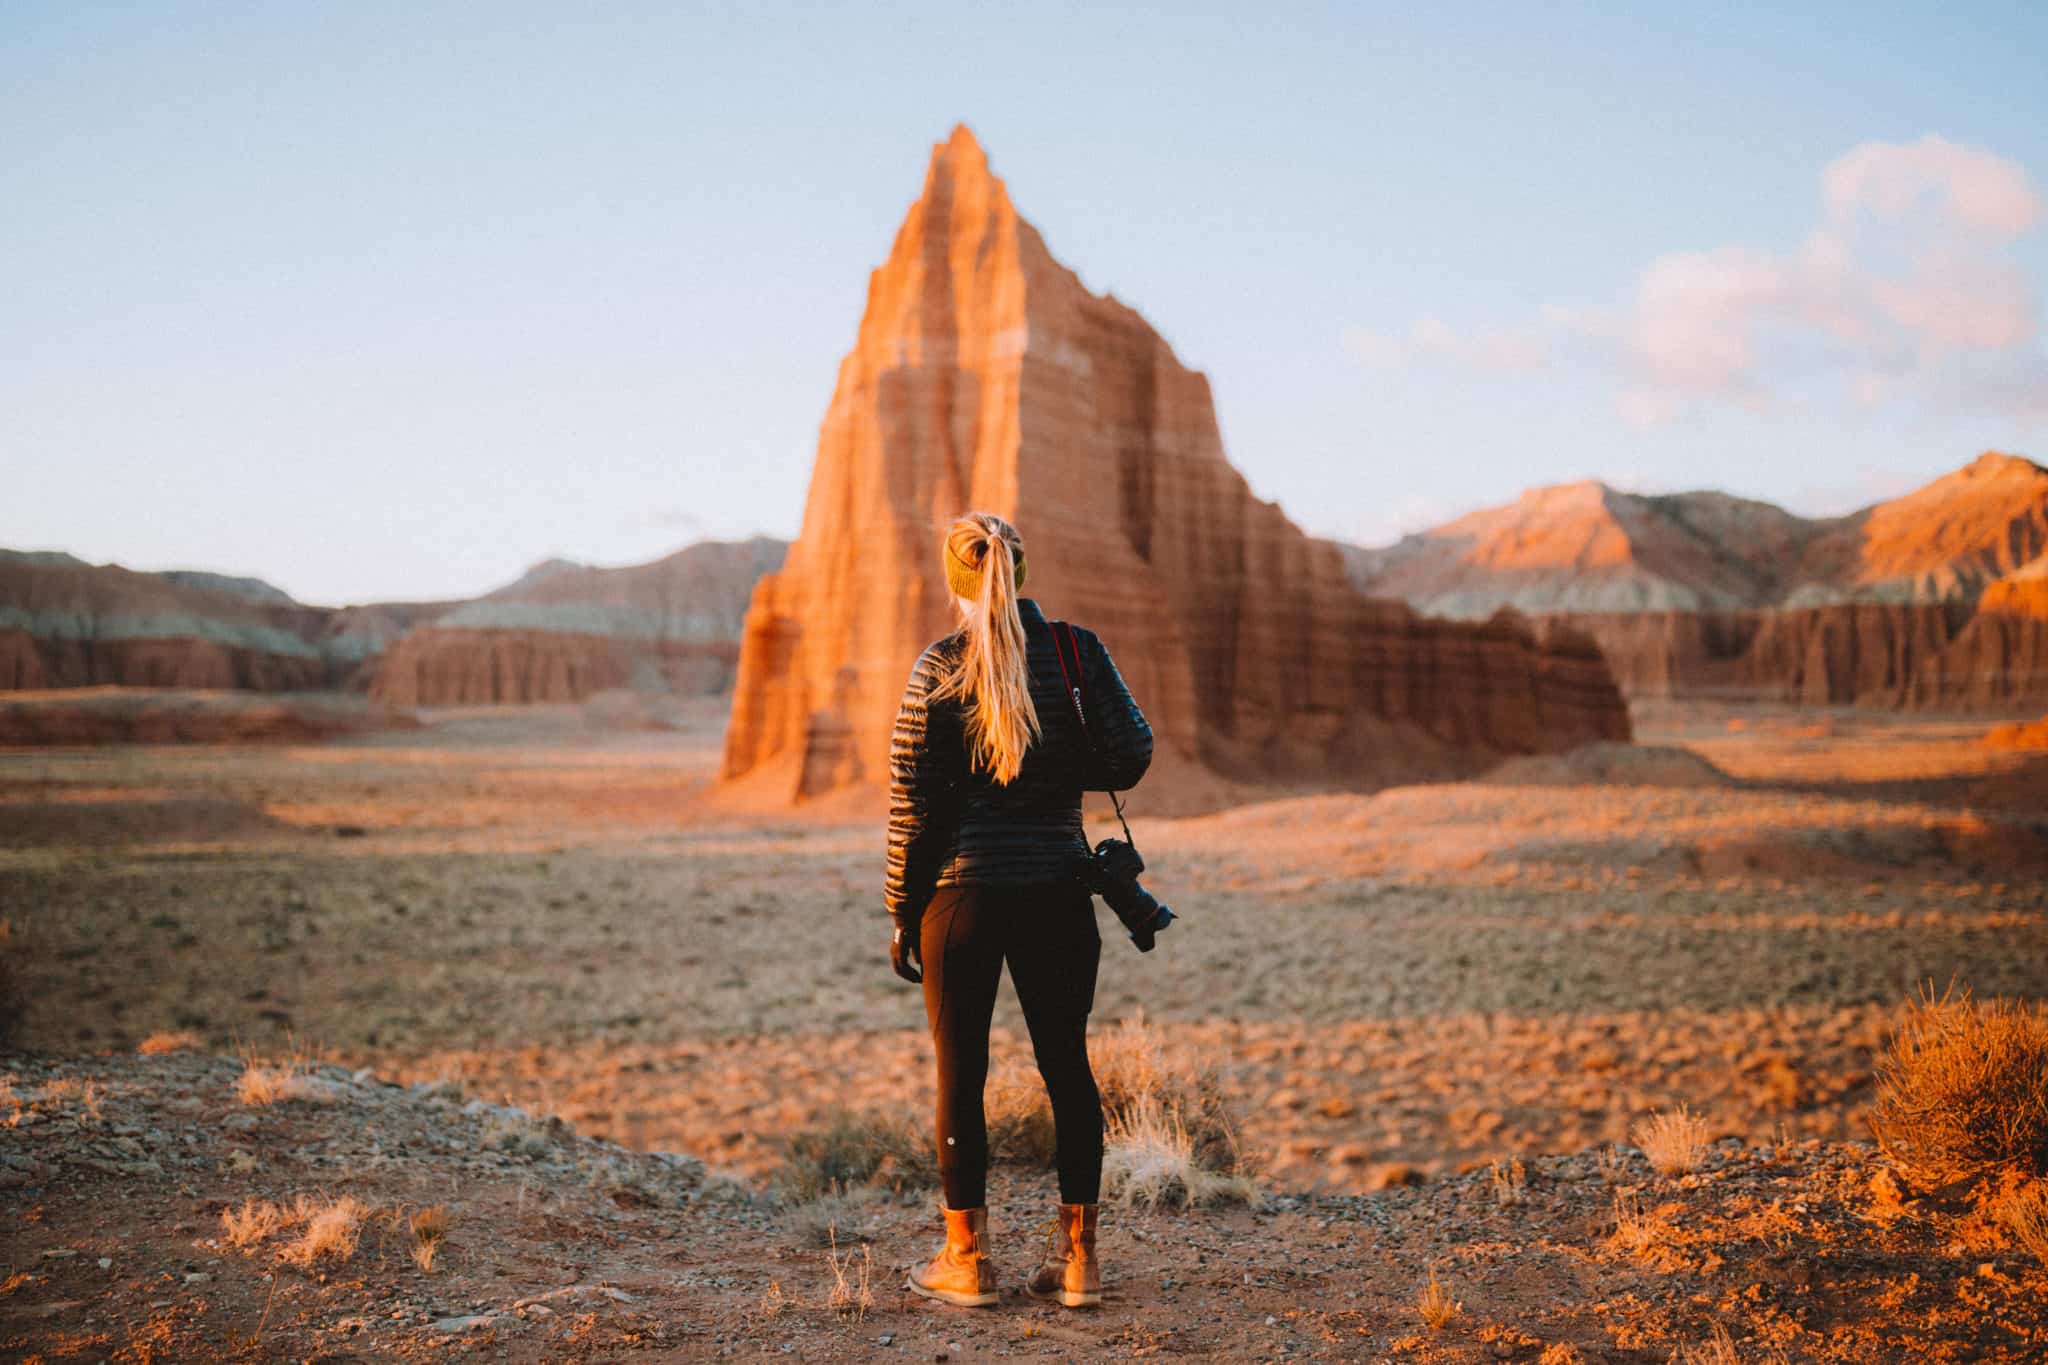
point(265, 1082)
point(1150, 1160)
point(1674, 1141)
point(166, 1041)
point(429, 1229)
point(855, 1150)
point(1436, 1306)
point(1169, 1137)
point(1962, 1090)
point(328, 1229)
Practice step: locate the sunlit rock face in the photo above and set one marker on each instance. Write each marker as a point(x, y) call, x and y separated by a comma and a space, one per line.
point(1927, 600)
point(986, 376)
point(565, 631)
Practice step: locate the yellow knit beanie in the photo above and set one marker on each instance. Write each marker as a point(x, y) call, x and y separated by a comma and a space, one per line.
point(964, 580)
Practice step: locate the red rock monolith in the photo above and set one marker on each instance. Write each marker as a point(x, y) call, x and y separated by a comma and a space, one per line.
point(986, 376)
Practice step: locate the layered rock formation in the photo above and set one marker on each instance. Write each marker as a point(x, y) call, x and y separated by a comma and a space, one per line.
point(986, 376)
point(565, 631)
point(560, 633)
point(66, 623)
point(1927, 601)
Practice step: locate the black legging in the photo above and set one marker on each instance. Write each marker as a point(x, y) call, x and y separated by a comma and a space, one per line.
point(1047, 935)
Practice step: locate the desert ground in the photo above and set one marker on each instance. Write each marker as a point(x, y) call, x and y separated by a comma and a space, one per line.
point(517, 952)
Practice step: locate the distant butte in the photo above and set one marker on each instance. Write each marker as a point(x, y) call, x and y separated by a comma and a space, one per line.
point(1934, 600)
point(984, 375)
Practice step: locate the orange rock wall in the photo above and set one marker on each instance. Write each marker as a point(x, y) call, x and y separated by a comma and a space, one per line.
point(442, 666)
point(986, 376)
point(1938, 656)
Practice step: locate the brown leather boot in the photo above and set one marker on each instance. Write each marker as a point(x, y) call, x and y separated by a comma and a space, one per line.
point(961, 1274)
point(1071, 1275)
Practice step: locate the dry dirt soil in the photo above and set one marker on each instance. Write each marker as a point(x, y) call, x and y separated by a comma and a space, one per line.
point(539, 909)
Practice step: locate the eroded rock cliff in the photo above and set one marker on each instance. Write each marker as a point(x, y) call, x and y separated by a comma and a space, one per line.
point(984, 375)
point(1922, 601)
point(565, 631)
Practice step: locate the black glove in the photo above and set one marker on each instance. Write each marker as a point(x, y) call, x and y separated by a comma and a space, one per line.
point(904, 953)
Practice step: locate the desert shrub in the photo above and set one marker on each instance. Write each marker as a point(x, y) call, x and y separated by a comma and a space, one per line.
point(1142, 1092)
point(1163, 1115)
point(846, 1215)
point(1674, 1141)
point(2022, 1208)
point(1149, 1160)
point(165, 1041)
point(1134, 1074)
point(853, 1150)
point(1962, 1089)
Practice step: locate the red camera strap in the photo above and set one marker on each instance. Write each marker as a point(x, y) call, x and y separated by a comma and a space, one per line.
point(1063, 643)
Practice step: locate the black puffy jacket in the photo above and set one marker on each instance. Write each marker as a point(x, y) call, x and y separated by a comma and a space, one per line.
point(951, 824)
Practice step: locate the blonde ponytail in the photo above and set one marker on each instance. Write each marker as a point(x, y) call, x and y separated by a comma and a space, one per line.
point(985, 555)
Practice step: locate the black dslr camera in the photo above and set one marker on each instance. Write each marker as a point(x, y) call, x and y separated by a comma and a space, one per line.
point(1111, 872)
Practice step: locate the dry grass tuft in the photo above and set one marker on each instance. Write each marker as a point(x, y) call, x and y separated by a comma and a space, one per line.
point(852, 1288)
point(274, 1082)
point(83, 1093)
point(1510, 1182)
point(1962, 1090)
point(816, 1222)
point(330, 1233)
point(182, 1040)
point(1636, 1231)
point(256, 1221)
point(429, 1228)
point(1719, 1349)
point(1560, 1353)
point(2023, 1210)
point(1612, 1164)
point(1133, 1073)
point(1674, 1142)
point(1436, 1305)
point(855, 1150)
point(1149, 1160)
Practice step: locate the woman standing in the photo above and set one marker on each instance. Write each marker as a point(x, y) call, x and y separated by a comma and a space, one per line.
point(987, 765)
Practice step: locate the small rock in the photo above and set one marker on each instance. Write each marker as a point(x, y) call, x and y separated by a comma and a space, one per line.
point(885, 1339)
point(198, 1277)
point(106, 1263)
point(59, 1254)
point(1272, 1321)
point(239, 1122)
point(465, 1324)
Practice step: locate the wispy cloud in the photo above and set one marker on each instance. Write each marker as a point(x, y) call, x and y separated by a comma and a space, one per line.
point(1903, 291)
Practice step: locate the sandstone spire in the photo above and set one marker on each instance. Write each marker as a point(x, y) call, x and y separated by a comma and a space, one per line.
point(985, 375)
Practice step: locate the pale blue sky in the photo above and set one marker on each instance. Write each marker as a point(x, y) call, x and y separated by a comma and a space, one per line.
point(384, 300)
